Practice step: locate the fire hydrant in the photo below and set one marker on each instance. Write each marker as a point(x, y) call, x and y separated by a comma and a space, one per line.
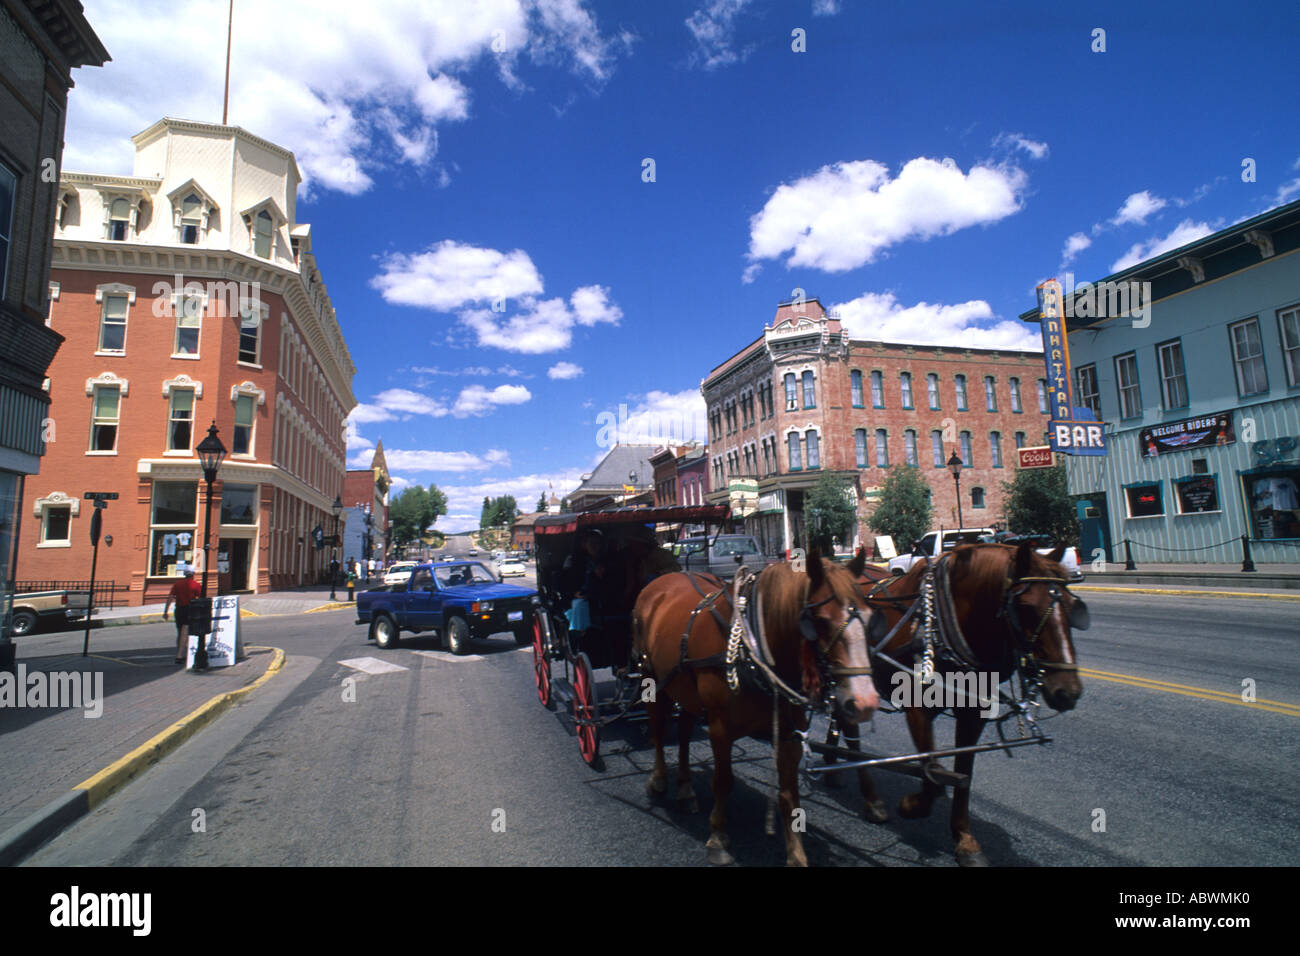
point(352, 583)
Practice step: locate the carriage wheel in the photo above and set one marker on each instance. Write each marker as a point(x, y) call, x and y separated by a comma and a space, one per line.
point(584, 709)
point(541, 664)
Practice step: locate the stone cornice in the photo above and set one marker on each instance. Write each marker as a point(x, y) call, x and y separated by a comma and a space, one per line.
point(104, 181)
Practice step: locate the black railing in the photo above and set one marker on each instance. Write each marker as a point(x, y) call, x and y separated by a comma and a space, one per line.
point(107, 593)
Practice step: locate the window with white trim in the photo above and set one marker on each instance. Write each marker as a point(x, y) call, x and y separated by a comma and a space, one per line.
point(242, 440)
point(796, 458)
point(263, 233)
point(791, 399)
point(172, 527)
point(180, 419)
point(112, 325)
point(1248, 358)
point(1173, 377)
point(56, 525)
point(814, 449)
point(191, 218)
point(104, 418)
point(119, 219)
point(809, 392)
point(250, 333)
point(189, 319)
point(1288, 321)
point(1126, 381)
point(1085, 384)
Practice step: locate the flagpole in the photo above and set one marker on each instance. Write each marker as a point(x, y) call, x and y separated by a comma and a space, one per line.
point(225, 105)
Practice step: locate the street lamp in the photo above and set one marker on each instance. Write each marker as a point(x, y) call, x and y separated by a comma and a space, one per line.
point(954, 465)
point(631, 480)
point(337, 508)
point(211, 454)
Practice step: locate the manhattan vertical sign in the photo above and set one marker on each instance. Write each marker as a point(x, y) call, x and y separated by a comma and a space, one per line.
point(1071, 430)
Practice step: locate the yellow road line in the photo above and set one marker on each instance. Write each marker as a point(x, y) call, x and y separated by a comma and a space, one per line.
point(1186, 592)
point(1186, 690)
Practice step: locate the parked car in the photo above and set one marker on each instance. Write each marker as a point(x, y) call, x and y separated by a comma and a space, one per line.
point(933, 546)
point(722, 555)
point(40, 609)
point(399, 572)
point(511, 567)
point(457, 600)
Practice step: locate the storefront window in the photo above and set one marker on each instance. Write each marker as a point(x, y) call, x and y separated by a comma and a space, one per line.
point(1274, 503)
point(172, 537)
point(1144, 501)
point(238, 504)
point(1196, 494)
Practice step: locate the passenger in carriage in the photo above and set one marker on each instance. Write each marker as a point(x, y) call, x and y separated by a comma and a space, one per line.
point(587, 572)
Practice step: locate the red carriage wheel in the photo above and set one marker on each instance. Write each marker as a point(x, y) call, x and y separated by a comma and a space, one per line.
point(584, 709)
point(541, 664)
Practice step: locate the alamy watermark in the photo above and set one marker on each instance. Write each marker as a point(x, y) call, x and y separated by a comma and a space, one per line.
point(193, 298)
point(965, 689)
point(56, 689)
point(646, 428)
point(1107, 300)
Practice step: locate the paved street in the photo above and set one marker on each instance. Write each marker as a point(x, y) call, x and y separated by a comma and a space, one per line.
point(431, 752)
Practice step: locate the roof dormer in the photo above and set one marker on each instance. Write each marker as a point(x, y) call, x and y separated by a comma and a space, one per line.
point(192, 212)
point(264, 221)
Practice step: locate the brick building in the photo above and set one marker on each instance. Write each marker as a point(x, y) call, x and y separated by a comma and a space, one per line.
point(41, 43)
point(804, 398)
point(187, 293)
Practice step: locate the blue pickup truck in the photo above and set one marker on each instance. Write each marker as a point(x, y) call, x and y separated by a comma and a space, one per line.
point(459, 600)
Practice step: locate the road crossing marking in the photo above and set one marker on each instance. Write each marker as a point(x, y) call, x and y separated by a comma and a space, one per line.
point(373, 665)
point(444, 656)
point(1186, 690)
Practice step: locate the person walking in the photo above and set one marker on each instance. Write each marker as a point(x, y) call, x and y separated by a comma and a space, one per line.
point(183, 593)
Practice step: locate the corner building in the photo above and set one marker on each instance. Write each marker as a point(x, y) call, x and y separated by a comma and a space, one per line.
point(805, 398)
point(187, 294)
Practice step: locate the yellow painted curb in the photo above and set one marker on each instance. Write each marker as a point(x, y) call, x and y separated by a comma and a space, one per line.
point(1186, 592)
point(331, 606)
point(121, 771)
point(245, 612)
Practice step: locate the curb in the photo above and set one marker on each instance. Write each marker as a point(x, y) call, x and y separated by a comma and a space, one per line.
point(47, 822)
point(1187, 592)
point(331, 606)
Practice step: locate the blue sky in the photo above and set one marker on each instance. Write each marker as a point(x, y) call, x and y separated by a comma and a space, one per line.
point(919, 166)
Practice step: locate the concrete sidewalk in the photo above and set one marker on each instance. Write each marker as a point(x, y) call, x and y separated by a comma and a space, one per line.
point(61, 761)
point(1266, 578)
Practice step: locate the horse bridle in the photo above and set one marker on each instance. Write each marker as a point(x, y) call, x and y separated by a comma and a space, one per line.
point(808, 629)
point(1026, 644)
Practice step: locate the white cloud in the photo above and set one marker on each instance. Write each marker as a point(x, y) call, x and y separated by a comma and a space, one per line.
point(713, 28)
point(1013, 141)
point(405, 401)
point(1138, 207)
point(401, 459)
point(544, 325)
point(451, 275)
point(465, 502)
point(477, 400)
point(844, 216)
point(656, 418)
point(1185, 232)
point(825, 8)
point(1073, 246)
point(878, 316)
point(354, 93)
point(564, 370)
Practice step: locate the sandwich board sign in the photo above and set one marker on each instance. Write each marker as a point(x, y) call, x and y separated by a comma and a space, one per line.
point(225, 642)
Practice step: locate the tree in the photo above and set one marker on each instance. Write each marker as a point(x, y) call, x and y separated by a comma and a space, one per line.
point(414, 510)
point(1038, 502)
point(498, 511)
point(541, 502)
point(830, 513)
point(903, 511)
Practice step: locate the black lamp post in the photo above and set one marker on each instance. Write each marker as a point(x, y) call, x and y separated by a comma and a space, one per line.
point(631, 478)
point(211, 454)
point(337, 508)
point(954, 465)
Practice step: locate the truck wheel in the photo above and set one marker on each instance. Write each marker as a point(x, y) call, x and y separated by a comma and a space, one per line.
point(384, 631)
point(458, 636)
point(22, 623)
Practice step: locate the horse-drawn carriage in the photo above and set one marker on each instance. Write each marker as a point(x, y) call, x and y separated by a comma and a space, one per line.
point(590, 569)
point(758, 656)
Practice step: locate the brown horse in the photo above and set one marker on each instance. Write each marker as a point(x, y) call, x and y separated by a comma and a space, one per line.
point(813, 628)
point(1015, 612)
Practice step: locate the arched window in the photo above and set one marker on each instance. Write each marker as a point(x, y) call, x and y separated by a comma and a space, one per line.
point(263, 229)
point(882, 448)
point(119, 219)
point(855, 384)
point(905, 384)
point(809, 395)
point(877, 391)
point(977, 497)
point(965, 449)
point(796, 460)
point(995, 448)
point(960, 382)
point(909, 447)
point(932, 385)
point(791, 399)
point(860, 445)
point(814, 451)
point(191, 218)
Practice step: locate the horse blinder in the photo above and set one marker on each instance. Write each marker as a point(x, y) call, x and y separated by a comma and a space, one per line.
point(1080, 619)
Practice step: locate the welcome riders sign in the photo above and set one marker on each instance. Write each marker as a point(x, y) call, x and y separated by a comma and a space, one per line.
point(1071, 430)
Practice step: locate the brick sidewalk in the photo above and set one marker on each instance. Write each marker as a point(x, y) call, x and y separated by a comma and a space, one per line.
point(49, 751)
